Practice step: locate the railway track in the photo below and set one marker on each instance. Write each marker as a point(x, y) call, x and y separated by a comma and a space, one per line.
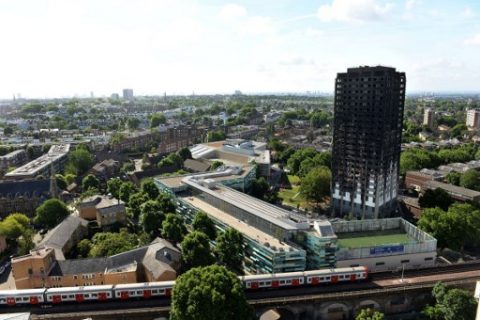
point(451, 268)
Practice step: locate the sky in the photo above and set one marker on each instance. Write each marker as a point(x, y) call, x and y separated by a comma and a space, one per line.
point(62, 48)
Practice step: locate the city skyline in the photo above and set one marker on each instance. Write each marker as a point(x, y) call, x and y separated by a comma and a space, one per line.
point(65, 48)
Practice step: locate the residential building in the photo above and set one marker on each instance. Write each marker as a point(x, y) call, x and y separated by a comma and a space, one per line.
point(128, 94)
point(106, 210)
point(159, 261)
point(428, 116)
point(105, 169)
point(473, 118)
point(65, 236)
point(367, 136)
point(24, 196)
point(13, 159)
point(55, 159)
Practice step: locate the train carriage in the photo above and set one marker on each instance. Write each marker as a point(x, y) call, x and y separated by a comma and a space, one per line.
point(143, 290)
point(263, 281)
point(79, 294)
point(332, 276)
point(22, 297)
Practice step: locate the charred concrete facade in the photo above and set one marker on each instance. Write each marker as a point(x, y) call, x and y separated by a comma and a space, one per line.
point(367, 134)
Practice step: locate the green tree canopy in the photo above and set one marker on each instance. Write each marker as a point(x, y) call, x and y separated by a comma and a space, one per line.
point(90, 182)
point(435, 198)
point(470, 179)
point(455, 228)
point(135, 202)
point(61, 181)
point(300, 155)
point(14, 225)
point(166, 203)
point(316, 184)
point(453, 178)
point(113, 187)
point(150, 189)
point(230, 249)
point(80, 161)
point(196, 250)
point(133, 123)
point(126, 190)
point(173, 228)
point(451, 304)
point(157, 119)
point(151, 216)
point(216, 136)
point(203, 223)
point(51, 212)
point(110, 243)
point(369, 314)
point(209, 293)
point(185, 153)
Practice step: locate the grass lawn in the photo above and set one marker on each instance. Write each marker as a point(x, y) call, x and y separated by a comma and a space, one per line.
point(292, 197)
point(372, 239)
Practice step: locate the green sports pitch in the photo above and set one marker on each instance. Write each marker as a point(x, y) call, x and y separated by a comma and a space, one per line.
point(373, 239)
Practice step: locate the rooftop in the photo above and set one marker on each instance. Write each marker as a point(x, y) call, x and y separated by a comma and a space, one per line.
point(56, 152)
point(282, 218)
point(246, 229)
point(452, 189)
point(373, 238)
point(101, 201)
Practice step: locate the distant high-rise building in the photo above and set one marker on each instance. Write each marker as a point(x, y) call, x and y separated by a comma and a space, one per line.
point(428, 118)
point(473, 118)
point(128, 94)
point(367, 134)
point(115, 96)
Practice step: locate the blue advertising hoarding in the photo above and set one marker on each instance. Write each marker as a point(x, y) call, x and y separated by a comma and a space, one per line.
point(386, 250)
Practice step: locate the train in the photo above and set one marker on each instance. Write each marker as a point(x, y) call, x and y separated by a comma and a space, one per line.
point(55, 296)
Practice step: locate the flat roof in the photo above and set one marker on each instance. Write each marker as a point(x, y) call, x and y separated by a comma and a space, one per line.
point(453, 189)
point(264, 210)
point(56, 152)
point(374, 238)
point(246, 229)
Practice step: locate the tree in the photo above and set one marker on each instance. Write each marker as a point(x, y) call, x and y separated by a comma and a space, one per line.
point(316, 184)
point(259, 188)
point(216, 164)
point(470, 179)
point(51, 212)
point(150, 189)
point(61, 181)
point(300, 155)
point(435, 198)
point(451, 304)
point(83, 248)
point(157, 119)
point(111, 243)
point(173, 228)
point(25, 242)
point(135, 202)
point(209, 293)
point(229, 249)
point(79, 161)
point(14, 225)
point(369, 314)
point(216, 136)
point(453, 178)
point(455, 228)
point(196, 250)
point(90, 182)
point(204, 224)
point(113, 187)
point(151, 216)
point(133, 123)
point(126, 190)
point(166, 204)
point(185, 153)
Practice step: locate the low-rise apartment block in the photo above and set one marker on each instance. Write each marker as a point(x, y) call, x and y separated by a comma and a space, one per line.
point(55, 159)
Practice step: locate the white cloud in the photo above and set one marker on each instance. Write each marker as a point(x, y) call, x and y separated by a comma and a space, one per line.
point(473, 41)
point(410, 4)
point(312, 32)
point(259, 25)
point(232, 12)
point(353, 10)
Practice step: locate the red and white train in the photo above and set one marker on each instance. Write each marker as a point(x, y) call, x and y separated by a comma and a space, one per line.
point(164, 289)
